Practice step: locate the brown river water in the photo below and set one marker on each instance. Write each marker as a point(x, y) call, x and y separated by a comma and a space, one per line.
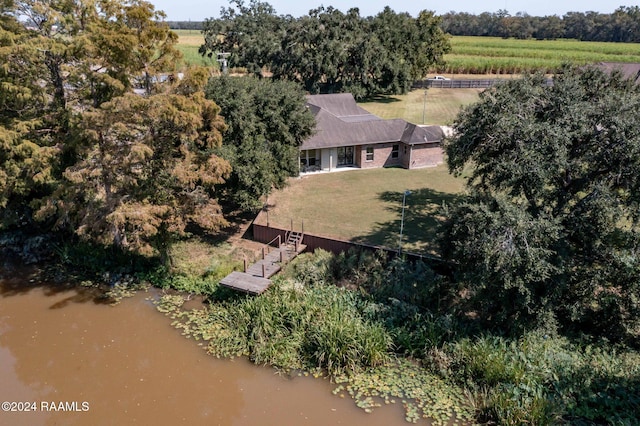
point(71, 360)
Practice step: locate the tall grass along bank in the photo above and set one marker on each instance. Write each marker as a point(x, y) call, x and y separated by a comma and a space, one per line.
point(387, 331)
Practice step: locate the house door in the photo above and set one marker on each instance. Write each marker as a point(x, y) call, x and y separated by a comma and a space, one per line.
point(345, 156)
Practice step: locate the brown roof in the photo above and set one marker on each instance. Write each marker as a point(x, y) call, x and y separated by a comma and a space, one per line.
point(340, 105)
point(629, 70)
point(341, 122)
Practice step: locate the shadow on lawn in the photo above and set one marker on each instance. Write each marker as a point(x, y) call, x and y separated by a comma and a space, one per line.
point(422, 220)
point(383, 99)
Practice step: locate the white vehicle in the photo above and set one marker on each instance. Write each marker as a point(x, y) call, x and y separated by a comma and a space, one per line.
point(439, 78)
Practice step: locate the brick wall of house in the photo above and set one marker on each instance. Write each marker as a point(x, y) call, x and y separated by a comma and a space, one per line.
point(358, 155)
point(382, 155)
point(406, 155)
point(426, 155)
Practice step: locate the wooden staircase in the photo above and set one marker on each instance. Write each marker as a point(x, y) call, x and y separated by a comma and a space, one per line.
point(294, 240)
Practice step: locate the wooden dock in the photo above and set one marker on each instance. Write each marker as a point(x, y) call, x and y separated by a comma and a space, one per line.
point(245, 282)
point(256, 278)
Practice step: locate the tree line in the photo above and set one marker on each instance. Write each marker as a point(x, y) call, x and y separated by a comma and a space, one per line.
point(186, 25)
point(623, 25)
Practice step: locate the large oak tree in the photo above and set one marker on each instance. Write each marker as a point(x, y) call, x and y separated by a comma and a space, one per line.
point(551, 226)
point(267, 122)
point(329, 51)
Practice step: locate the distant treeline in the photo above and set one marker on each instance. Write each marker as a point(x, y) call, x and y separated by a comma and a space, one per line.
point(623, 25)
point(186, 25)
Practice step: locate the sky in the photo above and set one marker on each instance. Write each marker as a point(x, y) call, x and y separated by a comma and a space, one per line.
point(198, 10)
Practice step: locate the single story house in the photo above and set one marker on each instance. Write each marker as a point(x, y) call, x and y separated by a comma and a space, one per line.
point(350, 136)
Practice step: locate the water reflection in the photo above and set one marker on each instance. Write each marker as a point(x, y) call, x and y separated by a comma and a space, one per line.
point(129, 364)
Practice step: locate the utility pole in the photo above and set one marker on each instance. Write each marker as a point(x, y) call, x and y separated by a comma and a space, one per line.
point(424, 106)
point(404, 199)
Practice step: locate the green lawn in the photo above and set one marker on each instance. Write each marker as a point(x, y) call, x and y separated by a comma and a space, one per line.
point(189, 41)
point(366, 205)
point(440, 106)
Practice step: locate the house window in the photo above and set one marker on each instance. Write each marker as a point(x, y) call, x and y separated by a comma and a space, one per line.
point(309, 160)
point(395, 150)
point(345, 156)
point(369, 155)
point(312, 157)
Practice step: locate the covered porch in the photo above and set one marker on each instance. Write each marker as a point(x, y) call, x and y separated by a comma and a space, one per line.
point(328, 159)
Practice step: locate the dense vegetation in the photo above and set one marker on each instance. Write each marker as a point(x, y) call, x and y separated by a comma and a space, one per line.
point(79, 153)
point(266, 123)
point(387, 330)
point(550, 229)
point(328, 51)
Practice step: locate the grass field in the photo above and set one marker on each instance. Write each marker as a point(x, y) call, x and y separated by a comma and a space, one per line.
point(439, 107)
point(189, 41)
point(366, 205)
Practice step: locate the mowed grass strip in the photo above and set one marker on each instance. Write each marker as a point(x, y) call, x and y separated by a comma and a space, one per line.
point(366, 205)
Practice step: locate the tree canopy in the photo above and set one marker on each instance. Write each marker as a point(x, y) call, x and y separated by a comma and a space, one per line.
point(79, 151)
point(267, 122)
point(146, 168)
point(550, 228)
point(329, 51)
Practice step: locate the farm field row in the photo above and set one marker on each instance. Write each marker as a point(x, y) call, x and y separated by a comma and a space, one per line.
point(481, 55)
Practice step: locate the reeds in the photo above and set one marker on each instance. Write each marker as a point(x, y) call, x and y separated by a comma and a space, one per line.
point(319, 327)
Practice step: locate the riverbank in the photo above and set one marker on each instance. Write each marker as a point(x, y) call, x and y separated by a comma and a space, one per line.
point(335, 315)
point(131, 366)
point(380, 330)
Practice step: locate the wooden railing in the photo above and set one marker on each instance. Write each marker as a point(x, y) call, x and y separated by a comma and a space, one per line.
point(265, 251)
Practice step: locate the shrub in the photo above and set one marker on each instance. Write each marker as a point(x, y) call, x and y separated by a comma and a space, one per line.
point(540, 379)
